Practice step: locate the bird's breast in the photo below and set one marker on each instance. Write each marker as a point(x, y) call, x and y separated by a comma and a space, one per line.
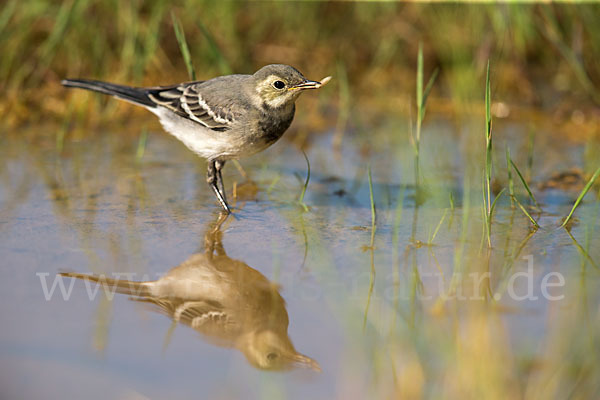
point(272, 125)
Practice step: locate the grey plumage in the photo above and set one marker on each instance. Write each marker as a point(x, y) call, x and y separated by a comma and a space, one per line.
point(223, 118)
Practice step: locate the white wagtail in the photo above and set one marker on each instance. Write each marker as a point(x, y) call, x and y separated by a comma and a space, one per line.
point(223, 118)
point(230, 303)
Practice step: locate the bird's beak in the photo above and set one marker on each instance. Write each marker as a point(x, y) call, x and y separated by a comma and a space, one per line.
point(308, 84)
point(303, 361)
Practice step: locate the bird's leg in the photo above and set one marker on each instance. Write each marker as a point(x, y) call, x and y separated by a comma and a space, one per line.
point(219, 166)
point(211, 178)
point(213, 238)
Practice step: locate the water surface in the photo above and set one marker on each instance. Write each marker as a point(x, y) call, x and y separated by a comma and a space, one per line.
point(397, 316)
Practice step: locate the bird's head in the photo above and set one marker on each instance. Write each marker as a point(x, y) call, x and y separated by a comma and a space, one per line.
point(279, 85)
point(274, 351)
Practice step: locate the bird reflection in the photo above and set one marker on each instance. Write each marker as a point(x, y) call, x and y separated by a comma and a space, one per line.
point(227, 301)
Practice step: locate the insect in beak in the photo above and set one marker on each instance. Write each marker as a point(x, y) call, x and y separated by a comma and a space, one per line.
point(308, 84)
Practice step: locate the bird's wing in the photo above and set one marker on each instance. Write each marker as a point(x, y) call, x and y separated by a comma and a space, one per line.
point(203, 315)
point(190, 101)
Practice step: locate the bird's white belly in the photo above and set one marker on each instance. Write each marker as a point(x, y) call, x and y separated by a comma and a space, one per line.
point(202, 141)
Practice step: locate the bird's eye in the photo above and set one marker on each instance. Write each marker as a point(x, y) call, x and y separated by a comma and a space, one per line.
point(271, 356)
point(278, 85)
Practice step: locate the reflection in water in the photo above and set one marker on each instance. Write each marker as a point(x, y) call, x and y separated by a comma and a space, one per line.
point(227, 301)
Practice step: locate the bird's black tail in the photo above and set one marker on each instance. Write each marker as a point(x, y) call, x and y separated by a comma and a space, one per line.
point(111, 285)
point(128, 93)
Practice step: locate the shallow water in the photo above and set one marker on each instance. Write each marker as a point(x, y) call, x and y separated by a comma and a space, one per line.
point(400, 316)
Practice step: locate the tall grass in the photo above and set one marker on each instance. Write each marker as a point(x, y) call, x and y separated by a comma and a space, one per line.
point(487, 183)
point(43, 42)
point(421, 95)
point(183, 46)
point(552, 31)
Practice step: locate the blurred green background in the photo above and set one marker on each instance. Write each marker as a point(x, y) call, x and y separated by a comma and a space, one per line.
point(542, 55)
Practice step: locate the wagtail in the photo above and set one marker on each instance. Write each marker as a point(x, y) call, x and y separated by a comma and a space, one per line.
point(230, 303)
point(223, 118)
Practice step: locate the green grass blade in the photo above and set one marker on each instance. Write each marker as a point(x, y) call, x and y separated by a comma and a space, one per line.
point(581, 196)
point(488, 140)
point(417, 139)
point(533, 221)
point(427, 90)
point(485, 211)
point(373, 214)
point(420, 79)
point(421, 105)
point(183, 47)
point(494, 202)
point(439, 225)
point(301, 199)
point(488, 218)
point(524, 182)
point(488, 114)
point(511, 183)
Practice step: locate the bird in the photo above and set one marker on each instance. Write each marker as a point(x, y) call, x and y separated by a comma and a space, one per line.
point(228, 302)
point(223, 118)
